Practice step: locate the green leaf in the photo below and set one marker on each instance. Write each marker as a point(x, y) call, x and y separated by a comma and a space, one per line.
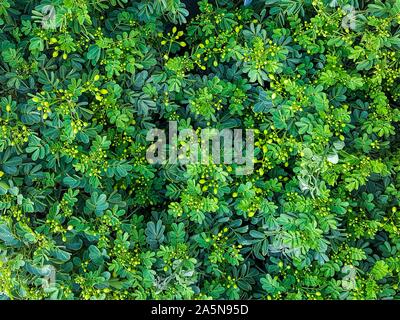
point(97, 204)
point(60, 255)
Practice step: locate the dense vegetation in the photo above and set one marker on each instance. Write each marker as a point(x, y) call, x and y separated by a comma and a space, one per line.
point(82, 82)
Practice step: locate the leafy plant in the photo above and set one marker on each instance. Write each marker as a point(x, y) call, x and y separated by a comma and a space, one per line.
point(83, 82)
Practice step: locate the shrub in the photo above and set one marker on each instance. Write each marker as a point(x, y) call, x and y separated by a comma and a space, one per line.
point(84, 215)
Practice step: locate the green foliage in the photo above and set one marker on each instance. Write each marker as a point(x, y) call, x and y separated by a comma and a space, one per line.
point(317, 219)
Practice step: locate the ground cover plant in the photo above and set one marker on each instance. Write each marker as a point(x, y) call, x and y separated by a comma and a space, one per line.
point(84, 215)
